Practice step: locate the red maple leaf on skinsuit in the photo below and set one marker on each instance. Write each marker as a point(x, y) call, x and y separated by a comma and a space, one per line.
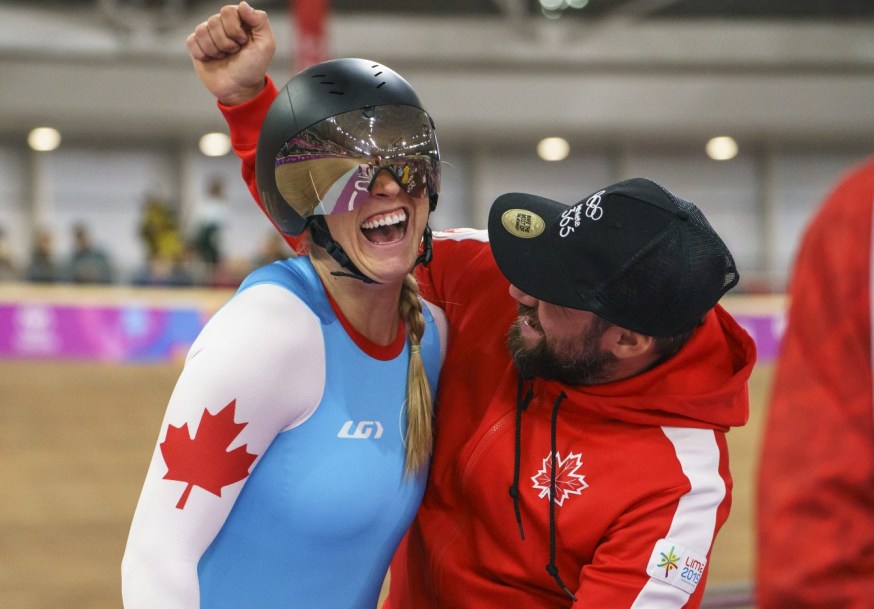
point(204, 460)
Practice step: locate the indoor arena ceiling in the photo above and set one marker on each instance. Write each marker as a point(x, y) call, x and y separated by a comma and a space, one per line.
point(652, 69)
point(591, 9)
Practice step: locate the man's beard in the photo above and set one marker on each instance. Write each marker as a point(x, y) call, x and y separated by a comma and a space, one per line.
point(577, 362)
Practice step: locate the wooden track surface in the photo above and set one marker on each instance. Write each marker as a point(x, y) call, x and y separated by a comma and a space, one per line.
point(75, 442)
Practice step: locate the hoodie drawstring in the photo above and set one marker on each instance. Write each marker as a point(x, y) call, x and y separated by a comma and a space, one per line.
point(521, 404)
point(551, 568)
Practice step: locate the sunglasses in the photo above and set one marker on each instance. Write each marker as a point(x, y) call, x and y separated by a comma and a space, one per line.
point(415, 176)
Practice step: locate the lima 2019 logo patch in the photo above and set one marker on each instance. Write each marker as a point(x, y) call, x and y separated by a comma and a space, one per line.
point(567, 481)
point(676, 565)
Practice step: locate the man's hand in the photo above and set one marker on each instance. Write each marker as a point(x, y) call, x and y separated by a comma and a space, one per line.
point(231, 52)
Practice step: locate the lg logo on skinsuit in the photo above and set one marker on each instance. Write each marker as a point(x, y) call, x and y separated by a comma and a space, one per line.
point(363, 431)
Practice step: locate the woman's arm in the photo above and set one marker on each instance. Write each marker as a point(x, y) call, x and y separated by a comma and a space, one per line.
point(256, 370)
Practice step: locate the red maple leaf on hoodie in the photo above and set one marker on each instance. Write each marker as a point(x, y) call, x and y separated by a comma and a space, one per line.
point(204, 460)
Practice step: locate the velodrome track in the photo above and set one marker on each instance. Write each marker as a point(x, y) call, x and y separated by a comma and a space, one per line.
point(76, 437)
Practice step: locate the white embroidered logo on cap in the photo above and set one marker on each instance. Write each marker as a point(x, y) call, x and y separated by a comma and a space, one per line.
point(571, 218)
point(676, 565)
point(593, 206)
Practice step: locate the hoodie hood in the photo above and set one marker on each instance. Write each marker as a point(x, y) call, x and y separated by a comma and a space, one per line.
point(703, 385)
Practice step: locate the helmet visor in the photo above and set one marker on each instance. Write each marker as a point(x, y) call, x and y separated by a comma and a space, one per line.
point(330, 167)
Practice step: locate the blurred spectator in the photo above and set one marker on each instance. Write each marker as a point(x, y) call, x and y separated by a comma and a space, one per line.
point(208, 219)
point(273, 248)
point(159, 230)
point(8, 272)
point(41, 267)
point(165, 250)
point(816, 479)
point(88, 263)
point(164, 272)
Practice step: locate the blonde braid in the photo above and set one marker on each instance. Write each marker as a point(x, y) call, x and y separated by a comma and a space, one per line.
point(419, 435)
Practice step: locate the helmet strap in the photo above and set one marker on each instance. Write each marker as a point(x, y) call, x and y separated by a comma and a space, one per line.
point(322, 237)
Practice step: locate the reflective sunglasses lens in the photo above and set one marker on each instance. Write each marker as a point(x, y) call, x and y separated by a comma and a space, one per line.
point(413, 176)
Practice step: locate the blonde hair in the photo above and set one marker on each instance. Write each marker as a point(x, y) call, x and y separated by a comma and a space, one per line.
point(419, 435)
point(420, 429)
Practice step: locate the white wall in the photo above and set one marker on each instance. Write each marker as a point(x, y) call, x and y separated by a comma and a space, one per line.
point(802, 181)
point(14, 205)
point(797, 96)
point(727, 193)
point(759, 202)
point(106, 188)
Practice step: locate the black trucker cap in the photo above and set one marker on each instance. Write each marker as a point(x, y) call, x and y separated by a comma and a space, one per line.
point(632, 253)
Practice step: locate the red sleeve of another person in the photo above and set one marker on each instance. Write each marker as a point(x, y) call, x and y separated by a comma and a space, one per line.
point(816, 481)
point(244, 123)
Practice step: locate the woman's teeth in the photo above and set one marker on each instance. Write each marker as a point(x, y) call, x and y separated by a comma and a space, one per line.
point(386, 228)
point(387, 220)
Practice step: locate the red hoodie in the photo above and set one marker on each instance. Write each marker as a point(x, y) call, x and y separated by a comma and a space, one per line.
point(642, 483)
point(638, 461)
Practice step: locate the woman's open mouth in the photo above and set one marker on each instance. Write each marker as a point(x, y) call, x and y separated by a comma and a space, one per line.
point(385, 228)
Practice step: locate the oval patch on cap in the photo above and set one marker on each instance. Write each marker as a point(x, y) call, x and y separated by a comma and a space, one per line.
point(522, 223)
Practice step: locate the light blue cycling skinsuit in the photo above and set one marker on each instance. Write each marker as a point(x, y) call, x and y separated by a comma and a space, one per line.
point(318, 518)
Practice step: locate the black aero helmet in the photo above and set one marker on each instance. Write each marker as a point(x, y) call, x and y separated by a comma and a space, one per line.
point(331, 130)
